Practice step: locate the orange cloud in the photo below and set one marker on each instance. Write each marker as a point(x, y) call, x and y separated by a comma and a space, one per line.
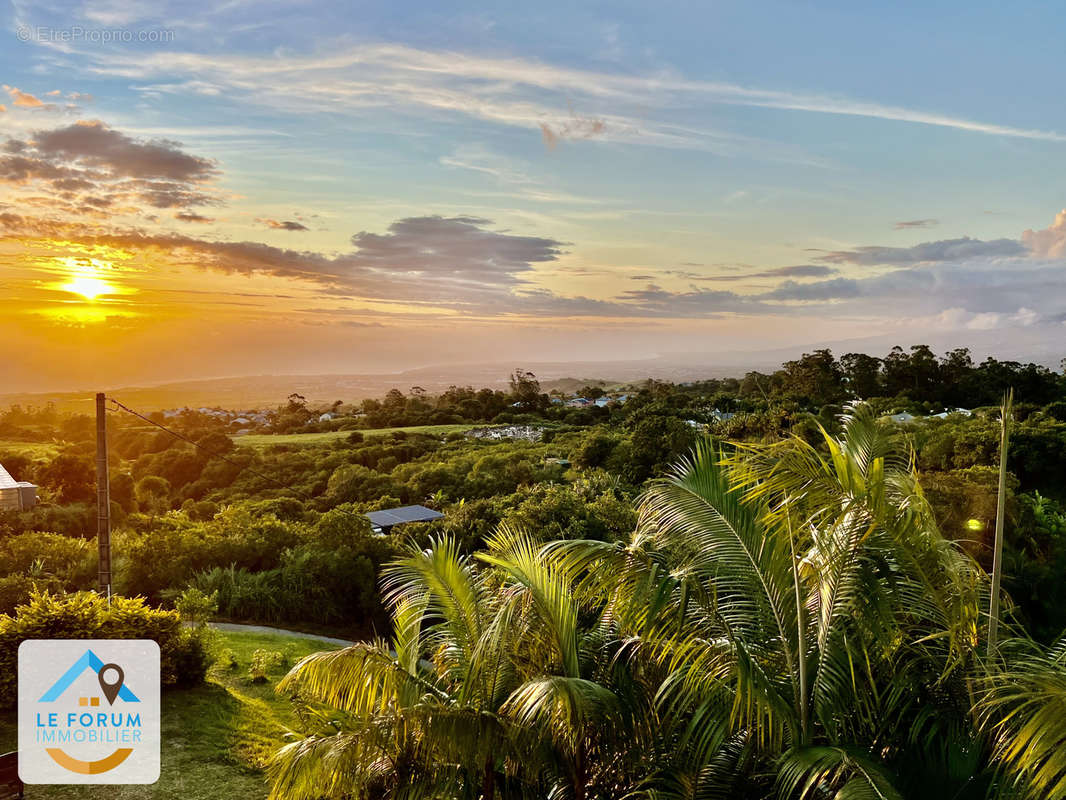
point(21, 98)
point(283, 225)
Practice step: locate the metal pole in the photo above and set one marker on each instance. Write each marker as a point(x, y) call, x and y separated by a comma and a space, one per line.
point(103, 498)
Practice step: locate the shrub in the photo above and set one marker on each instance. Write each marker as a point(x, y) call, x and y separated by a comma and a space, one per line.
point(262, 662)
point(85, 615)
point(196, 607)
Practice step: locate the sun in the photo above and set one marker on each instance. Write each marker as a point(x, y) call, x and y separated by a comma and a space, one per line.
point(88, 287)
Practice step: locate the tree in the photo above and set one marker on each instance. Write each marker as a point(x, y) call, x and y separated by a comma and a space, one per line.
point(483, 687)
point(71, 475)
point(1001, 503)
point(525, 390)
point(862, 374)
point(153, 494)
point(816, 377)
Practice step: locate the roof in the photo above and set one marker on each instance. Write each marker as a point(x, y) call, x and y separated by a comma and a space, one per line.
point(397, 516)
point(6, 481)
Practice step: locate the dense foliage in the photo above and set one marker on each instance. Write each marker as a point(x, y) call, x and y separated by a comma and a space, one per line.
point(785, 620)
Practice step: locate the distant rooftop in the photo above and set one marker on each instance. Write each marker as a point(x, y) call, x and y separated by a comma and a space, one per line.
point(398, 516)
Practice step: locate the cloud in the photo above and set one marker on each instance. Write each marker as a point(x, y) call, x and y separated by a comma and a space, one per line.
point(90, 159)
point(835, 289)
point(944, 250)
point(1049, 242)
point(94, 144)
point(507, 91)
point(23, 99)
point(916, 223)
point(2, 108)
point(190, 216)
point(574, 128)
point(653, 300)
point(988, 320)
point(279, 225)
point(796, 271)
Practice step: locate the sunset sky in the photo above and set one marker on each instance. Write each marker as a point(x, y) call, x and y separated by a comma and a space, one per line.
point(300, 187)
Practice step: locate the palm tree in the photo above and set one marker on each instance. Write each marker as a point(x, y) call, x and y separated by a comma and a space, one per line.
point(489, 686)
point(817, 611)
point(1023, 705)
point(384, 719)
point(1001, 501)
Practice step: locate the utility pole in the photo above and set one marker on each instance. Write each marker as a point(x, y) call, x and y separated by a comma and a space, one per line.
point(103, 498)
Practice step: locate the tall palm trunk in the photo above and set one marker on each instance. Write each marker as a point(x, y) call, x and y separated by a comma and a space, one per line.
point(997, 552)
point(488, 781)
point(801, 638)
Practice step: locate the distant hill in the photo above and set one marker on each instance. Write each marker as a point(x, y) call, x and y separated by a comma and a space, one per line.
point(1042, 344)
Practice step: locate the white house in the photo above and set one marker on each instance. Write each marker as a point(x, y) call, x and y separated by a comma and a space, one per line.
point(902, 418)
point(15, 495)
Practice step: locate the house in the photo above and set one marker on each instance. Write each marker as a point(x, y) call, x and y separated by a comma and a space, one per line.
point(325, 417)
point(602, 402)
point(384, 521)
point(902, 418)
point(578, 402)
point(945, 414)
point(15, 495)
point(722, 416)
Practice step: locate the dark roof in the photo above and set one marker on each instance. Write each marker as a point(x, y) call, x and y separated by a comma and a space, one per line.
point(397, 516)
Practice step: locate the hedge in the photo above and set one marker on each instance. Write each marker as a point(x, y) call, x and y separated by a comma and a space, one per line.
point(86, 615)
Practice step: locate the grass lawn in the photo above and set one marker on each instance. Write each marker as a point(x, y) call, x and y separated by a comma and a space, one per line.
point(216, 738)
point(31, 449)
point(261, 440)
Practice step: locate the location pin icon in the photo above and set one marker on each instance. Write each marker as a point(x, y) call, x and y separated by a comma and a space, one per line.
point(111, 690)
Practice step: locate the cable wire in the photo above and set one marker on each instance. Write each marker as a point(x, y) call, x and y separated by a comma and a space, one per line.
point(222, 457)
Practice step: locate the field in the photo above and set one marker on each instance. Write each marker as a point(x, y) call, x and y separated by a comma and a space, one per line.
point(31, 449)
point(216, 738)
point(260, 440)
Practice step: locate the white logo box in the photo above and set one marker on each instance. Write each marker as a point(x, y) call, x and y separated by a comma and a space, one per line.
point(77, 721)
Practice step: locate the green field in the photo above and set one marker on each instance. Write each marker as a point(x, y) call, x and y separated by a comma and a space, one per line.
point(260, 440)
point(31, 449)
point(216, 737)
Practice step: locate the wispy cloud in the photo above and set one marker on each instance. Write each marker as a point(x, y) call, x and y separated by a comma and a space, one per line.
point(916, 223)
point(511, 91)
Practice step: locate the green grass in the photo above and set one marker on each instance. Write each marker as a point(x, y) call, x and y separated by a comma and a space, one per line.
point(260, 440)
point(216, 737)
point(32, 449)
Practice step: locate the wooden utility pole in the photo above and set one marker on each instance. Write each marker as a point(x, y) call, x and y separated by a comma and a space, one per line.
point(103, 498)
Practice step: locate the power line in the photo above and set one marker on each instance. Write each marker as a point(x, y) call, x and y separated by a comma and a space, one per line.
point(222, 457)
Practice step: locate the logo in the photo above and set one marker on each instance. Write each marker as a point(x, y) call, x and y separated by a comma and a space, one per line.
point(89, 711)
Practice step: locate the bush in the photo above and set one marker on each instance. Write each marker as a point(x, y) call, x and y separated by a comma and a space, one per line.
point(17, 589)
point(263, 661)
point(85, 615)
point(196, 607)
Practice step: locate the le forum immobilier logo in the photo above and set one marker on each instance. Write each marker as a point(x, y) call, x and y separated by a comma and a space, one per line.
point(88, 711)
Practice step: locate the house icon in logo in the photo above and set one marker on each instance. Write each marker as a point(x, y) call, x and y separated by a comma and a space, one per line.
point(89, 660)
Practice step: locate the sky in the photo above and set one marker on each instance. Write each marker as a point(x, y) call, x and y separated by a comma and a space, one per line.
point(236, 188)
